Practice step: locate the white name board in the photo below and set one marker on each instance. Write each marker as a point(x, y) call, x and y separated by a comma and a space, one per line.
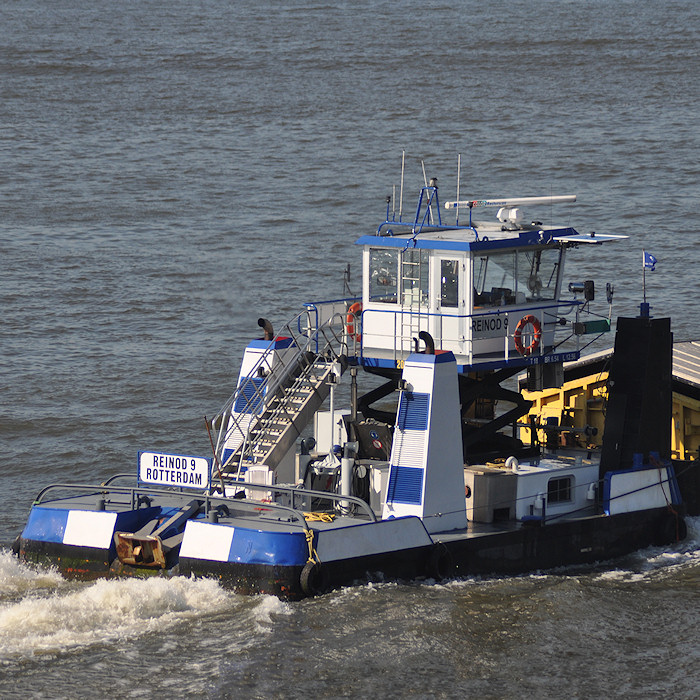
point(174, 470)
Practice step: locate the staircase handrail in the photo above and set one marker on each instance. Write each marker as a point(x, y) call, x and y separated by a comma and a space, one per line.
point(325, 340)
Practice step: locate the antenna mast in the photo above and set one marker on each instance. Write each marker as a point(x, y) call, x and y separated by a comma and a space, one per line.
point(459, 172)
point(403, 163)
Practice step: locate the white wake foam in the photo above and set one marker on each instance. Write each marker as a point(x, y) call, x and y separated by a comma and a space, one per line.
point(655, 562)
point(18, 579)
point(104, 611)
point(266, 607)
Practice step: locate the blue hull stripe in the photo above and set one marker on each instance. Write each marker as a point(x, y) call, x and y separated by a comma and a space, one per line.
point(271, 548)
point(46, 525)
point(49, 524)
point(228, 543)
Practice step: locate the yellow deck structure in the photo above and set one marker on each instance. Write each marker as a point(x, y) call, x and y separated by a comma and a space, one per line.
point(581, 402)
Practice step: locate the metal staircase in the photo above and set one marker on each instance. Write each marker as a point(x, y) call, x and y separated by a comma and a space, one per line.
point(270, 409)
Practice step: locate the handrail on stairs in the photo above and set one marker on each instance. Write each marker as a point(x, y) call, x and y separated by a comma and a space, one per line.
point(266, 381)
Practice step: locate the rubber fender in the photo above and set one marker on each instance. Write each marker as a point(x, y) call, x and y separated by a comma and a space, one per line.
point(313, 578)
point(440, 563)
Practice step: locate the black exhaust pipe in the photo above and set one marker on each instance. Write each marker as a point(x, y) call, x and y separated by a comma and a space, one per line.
point(429, 342)
point(267, 327)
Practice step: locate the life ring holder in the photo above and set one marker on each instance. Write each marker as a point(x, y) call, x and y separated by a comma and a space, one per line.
point(351, 319)
point(518, 335)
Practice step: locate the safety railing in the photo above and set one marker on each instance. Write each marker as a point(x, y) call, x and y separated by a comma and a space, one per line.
point(306, 495)
point(242, 410)
point(343, 317)
point(388, 334)
point(137, 497)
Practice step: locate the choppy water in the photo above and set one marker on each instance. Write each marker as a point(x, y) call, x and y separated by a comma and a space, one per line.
point(172, 171)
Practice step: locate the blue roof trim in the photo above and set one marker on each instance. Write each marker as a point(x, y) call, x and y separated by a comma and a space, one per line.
point(525, 361)
point(279, 344)
point(543, 237)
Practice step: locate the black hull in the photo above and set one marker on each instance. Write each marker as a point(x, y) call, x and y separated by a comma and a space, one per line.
point(296, 582)
point(71, 561)
point(584, 541)
point(533, 547)
point(82, 563)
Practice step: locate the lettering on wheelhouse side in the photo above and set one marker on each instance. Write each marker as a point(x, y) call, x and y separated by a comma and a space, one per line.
point(489, 326)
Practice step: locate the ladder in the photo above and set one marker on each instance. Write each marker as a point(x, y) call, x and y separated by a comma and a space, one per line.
point(413, 272)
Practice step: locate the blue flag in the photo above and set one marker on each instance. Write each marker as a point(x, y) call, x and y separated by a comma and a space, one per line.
point(648, 261)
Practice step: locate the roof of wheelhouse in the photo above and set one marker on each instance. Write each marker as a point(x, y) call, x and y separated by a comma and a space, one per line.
point(490, 237)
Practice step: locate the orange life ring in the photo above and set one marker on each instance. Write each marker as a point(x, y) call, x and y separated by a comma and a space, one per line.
point(518, 335)
point(353, 314)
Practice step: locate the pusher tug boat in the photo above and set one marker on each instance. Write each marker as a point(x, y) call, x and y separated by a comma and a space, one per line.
point(422, 474)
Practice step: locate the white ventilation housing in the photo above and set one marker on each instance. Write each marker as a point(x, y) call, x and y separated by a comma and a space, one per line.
point(426, 477)
point(511, 215)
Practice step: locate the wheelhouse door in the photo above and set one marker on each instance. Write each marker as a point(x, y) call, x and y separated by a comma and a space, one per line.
point(449, 308)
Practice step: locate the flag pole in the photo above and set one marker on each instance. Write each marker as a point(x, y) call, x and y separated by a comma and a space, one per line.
point(644, 307)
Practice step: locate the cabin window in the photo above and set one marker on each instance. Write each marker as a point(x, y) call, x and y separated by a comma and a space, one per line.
point(494, 279)
point(559, 490)
point(515, 277)
point(414, 277)
point(449, 283)
point(383, 273)
point(537, 272)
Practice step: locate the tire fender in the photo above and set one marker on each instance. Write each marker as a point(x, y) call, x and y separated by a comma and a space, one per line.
point(313, 578)
point(440, 563)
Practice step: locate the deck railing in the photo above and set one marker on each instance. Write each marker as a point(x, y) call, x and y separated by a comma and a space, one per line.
point(397, 333)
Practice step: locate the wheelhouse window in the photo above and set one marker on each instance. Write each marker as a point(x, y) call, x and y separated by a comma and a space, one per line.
point(537, 273)
point(383, 275)
point(505, 278)
point(559, 490)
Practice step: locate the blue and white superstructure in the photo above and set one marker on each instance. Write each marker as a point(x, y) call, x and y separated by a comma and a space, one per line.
point(314, 482)
point(426, 474)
